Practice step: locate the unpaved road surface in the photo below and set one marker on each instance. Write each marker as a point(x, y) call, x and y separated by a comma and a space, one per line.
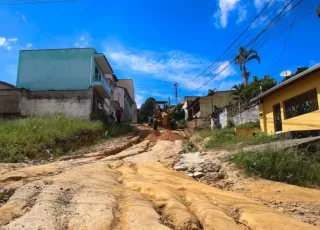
point(132, 189)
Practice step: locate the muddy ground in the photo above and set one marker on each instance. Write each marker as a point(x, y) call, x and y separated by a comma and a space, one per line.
point(130, 184)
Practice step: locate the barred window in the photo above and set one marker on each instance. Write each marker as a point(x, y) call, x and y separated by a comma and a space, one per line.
point(304, 103)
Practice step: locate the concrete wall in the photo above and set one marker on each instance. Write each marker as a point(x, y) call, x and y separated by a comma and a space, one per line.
point(70, 103)
point(219, 99)
point(309, 121)
point(128, 84)
point(250, 115)
point(118, 95)
point(246, 116)
point(61, 69)
point(10, 101)
point(223, 117)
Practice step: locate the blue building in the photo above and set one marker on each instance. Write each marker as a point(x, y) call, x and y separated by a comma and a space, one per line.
point(73, 81)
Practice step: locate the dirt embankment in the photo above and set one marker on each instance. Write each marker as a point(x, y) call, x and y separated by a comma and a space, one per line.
point(129, 190)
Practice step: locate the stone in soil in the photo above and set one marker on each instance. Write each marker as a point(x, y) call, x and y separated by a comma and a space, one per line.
point(211, 167)
point(198, 175)
point(190, 174)
point(180, 168)
point(198, 169)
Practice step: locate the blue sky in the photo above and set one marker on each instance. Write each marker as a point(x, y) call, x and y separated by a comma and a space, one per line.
point(156, 41)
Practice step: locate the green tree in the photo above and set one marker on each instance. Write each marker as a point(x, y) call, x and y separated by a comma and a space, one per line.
point(299, 70)
point(146, 110)
point(243, 57)
point(244, 93)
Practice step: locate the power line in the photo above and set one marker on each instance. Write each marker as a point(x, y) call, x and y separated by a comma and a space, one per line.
point(285, 44)
point(282, 31)
point(38, 2)
point(255, 18)
point(254, 39)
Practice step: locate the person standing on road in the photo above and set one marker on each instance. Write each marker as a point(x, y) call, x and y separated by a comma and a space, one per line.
point(119, 115)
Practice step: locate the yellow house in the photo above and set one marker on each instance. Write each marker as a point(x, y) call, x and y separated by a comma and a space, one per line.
point(292, 105)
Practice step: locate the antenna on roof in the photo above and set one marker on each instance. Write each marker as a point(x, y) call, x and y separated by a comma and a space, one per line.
point(285, 73)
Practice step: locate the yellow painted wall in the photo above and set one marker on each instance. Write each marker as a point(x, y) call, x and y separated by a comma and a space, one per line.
point(309, 121)
point(220, 99)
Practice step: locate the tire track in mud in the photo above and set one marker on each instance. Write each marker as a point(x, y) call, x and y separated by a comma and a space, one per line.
point(125, 192)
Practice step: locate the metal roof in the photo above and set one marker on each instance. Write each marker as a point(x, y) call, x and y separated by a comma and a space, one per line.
point(290, 80)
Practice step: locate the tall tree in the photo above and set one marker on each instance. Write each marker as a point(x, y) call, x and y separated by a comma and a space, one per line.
point(318, 11)
point(146, 109)
point(299, 70)
point(243, 57)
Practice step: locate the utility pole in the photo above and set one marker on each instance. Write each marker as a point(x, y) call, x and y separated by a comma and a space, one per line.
point(176, 92)
point(169, 100)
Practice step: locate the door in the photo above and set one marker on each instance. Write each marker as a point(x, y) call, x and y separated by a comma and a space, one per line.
point(277, 118)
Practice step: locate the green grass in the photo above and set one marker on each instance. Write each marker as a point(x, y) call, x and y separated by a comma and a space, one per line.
point(294, 166)
point(226, 138)
point(33, 138)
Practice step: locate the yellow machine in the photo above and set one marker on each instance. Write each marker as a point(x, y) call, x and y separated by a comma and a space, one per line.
point(160, 114)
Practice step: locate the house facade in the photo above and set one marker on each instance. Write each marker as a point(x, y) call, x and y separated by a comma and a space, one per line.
point(69, 81)
point(122, 95)
point(76, 82)
point(128, 84)
point(203, 107)
point(292, 105)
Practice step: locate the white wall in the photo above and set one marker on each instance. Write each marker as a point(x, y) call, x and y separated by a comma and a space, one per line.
point(184, 107)
point(118, 95)
point(246, 116)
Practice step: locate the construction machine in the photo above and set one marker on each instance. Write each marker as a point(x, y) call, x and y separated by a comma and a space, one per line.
point(160, 115)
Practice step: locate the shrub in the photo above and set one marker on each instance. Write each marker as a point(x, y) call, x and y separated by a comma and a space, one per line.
point(252, 124)
point(293, 167)
point(182, 124)
point(42, 137)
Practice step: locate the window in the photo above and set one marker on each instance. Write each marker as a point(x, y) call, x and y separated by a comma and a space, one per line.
point(304, 103)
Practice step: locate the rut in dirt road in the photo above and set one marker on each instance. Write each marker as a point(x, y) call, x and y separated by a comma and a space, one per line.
point(130, 190)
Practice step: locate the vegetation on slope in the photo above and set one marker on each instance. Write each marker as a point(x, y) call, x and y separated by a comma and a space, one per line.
point(47, 137)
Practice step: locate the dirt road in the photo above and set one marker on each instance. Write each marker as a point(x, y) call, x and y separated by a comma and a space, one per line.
point(133, 189)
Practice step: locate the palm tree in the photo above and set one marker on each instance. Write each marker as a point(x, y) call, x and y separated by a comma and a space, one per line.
point(241, 60)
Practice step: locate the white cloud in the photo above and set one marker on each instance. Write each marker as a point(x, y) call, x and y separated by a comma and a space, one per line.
point(225, 8)
point(83, 42)
point(29, 45)
point(139, 100)
point(173, 66)
point(260, 3)
point(21, 16)
point(7, 42)
point(12, 39)
point(242, 14)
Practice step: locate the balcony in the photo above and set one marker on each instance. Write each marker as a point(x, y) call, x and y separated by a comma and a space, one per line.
point(101, 85)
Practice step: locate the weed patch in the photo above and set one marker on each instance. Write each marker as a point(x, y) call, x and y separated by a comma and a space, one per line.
point(43, 137)
point(294, 166)
point(226, 138)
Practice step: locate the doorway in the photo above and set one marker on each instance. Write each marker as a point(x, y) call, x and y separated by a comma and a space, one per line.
point(277, 118)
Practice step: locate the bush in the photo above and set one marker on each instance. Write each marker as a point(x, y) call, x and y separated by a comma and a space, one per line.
point(227, 139)
point(43, 137)
point(252, 124)
point(182, 124)
point(294, 167)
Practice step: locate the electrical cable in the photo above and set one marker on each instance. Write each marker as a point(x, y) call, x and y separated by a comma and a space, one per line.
point(255, 18)
point(263, 31)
